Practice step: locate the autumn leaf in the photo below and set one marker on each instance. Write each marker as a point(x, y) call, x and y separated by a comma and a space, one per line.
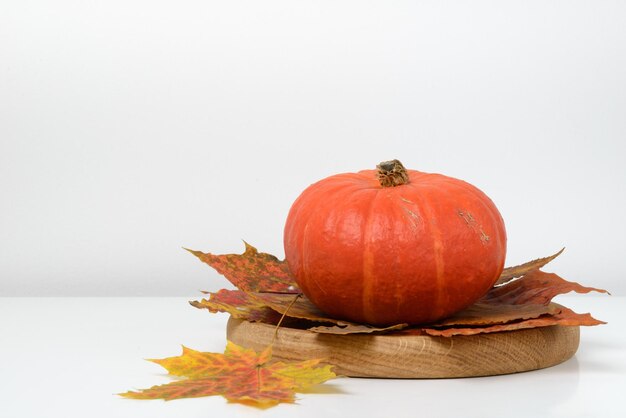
point(524, 299)
point(486, 314)
point(240, 305)
point(563, 316)
point(268, 307)
point(239, 374)
point(513, 301)
point(252, 271)
point(509, 273)
point(536, 287)
point(303, 308)
point(520, 304)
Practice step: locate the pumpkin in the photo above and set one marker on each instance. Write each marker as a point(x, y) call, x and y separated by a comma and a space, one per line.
point(393, 245)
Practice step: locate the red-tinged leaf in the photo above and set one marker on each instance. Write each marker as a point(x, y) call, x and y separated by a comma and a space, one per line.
point(303, 308)
point(518, 304)
point(510, 273)
point(489, 314)
point(240, 375)
point(252, 271)
point(512, 301)
point(565, 317)
point(294, 306)
point(239, 304)
point(535, 287)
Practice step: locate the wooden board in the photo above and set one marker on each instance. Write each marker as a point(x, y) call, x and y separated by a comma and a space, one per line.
point(366, 355)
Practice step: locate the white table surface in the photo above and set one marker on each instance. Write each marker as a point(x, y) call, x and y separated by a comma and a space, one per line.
point(67, 357)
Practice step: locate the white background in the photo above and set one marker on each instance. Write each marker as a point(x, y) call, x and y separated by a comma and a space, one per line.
point(129, 129)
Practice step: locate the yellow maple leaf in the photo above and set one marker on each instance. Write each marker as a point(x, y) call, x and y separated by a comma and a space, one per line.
point(239, 374)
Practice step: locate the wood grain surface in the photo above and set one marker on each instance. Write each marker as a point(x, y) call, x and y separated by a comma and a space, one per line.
point(366, 355)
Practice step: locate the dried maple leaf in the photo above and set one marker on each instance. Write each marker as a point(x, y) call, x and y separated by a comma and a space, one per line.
point(563, 316)
point(270, 289)
point(252, 271)
point(521, 300)
point(487, 314)
point(239, 304)
point(303, 308)
point(510, 273)
point(519, 304)
point(240, 375)
point(258, 308)
point(535, 287)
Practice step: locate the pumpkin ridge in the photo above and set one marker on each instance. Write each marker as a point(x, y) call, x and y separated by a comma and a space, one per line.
point(328, 195)
point(435, 232)
point(305, 285)
point(414, 215)
point(367, 277)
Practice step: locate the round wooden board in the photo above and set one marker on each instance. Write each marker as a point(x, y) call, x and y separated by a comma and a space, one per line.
point(400, 356)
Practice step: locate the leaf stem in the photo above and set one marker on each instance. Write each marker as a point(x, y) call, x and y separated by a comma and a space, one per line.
point(283, 317)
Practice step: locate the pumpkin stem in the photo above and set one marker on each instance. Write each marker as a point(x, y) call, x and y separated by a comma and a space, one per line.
point(392, 173)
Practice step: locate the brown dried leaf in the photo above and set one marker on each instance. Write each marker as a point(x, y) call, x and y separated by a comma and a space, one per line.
point(567, 317)
point(519, 304)
point(489, 314)
point(239, 304)
point(564, 317)
point(535, 287)
point(510, 273)
point(252, 271)
point(302, 308)
point(513, 303)
point(269, 291)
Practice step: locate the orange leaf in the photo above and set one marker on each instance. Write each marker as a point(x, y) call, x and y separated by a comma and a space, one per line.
point(268, 308)
point(564, 316)
point(252, 271)
point(240, 375)
point(303, 308)
point(536, 287)
point(511, 302)
point(239, 304)
point(515, 302)
point(486, 314)
point(510, 273)
point(518, 304)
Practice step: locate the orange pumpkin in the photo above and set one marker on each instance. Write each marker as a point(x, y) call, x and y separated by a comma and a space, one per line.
point(394, 246)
